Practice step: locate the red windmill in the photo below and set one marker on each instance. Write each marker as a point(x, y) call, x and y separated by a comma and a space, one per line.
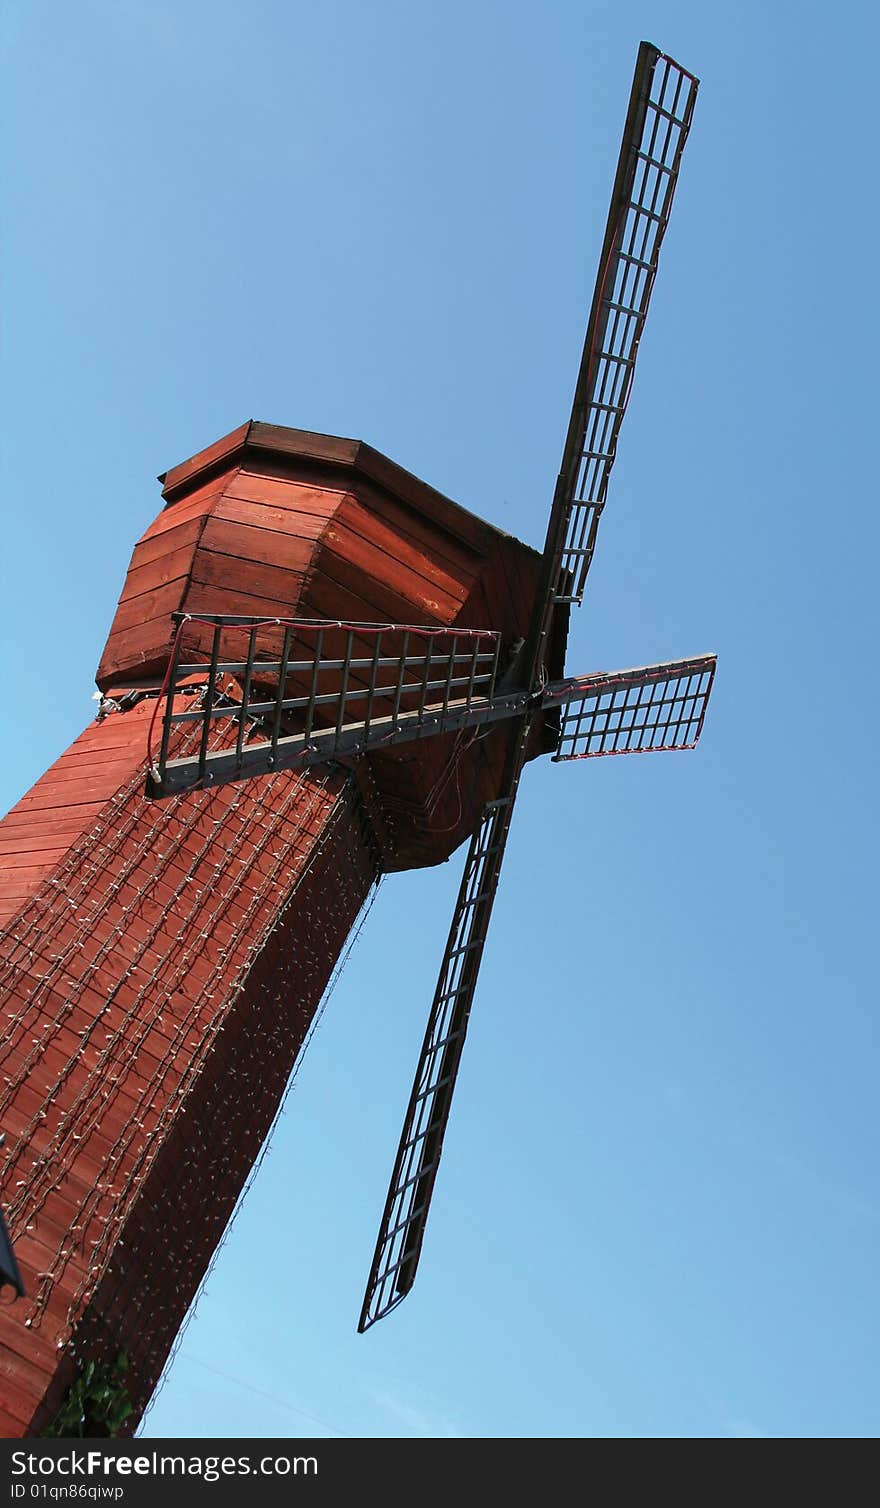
point(358, 672)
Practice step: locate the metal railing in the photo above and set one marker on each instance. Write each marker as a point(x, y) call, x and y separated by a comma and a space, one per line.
point(268, 693)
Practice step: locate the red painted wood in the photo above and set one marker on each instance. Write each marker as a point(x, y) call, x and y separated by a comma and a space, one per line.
point(134, 652)
point(157, 604)
point(189, 509)
point(290, 548)
point(414, 555)
point(175, 536)
point(280, 583)
point(116, 1082)
point(150, 576)
point(44, 824)
point(270, 516)
point(421, 553)
point(205, 459)
point(285, 493)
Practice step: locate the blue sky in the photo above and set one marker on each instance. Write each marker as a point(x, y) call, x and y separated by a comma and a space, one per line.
point(658, 1211)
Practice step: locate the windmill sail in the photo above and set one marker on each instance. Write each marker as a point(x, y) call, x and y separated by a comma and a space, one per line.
point(657, 124)
point(418, 1155)
point(633, 711)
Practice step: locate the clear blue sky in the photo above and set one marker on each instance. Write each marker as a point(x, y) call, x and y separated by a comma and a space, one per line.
point(658, 1211)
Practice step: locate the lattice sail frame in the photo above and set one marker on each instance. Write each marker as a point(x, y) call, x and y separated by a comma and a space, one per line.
point(658, 121)
point(402, 1229)
point(640, 711)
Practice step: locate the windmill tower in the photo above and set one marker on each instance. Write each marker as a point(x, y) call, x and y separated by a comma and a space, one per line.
point(331, 671)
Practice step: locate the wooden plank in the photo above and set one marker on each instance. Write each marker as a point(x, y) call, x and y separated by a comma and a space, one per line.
point(362, 460)
point(63, 1204)
point(80, 1073)
point(50, 1229)
point(402, 597)
point(23, 825)
point(147, 576)
point(461, 559)
point(174, 537)
point(189, 508)
point(99, 756)
point(32, 868)
point(290, 549)
point(13, 889)
point(280, 440)
point(78, 793)
point(51, 822)
point(39, 858)
point(228, 445)
point(57, 786)
point(100, 1141)
point(326, 596)
point(160, 602)
point(150, 960)
point(55, 1310)
point(116, 759)
point(205, 598)
point(40, 849)
point(175, 513)
point(451, 517)
point(110, 773)
point(34, 1347)
point(160, 939)
point(29, 1102)
point(36, 863)
point(17, 1403)
point(112, 732)
point(375, 532)
point(260, 515)
point(142, 649)
point(109, 735)
point(260, 547)
point(12, 898)
point(12, 1428)
point(299, 497)
point(29, 879)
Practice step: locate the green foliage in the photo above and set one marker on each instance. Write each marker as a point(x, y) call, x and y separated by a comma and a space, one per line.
point(96, 1403)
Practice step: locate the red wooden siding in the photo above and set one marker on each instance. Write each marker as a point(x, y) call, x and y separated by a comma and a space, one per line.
point(156, 985)
point(61, 807)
